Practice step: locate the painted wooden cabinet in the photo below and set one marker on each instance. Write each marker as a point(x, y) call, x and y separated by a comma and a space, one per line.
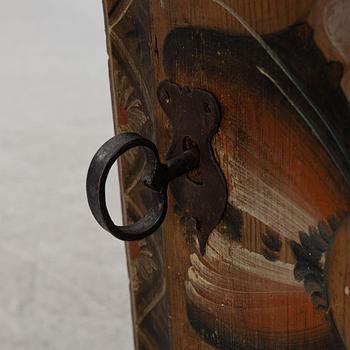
point(274, 271)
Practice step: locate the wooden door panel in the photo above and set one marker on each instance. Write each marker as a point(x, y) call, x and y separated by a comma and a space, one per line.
point(261, 282)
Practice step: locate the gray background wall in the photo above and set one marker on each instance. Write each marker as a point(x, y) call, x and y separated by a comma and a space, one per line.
point(63, 280)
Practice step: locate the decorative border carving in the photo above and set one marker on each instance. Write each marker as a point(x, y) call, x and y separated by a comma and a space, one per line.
point(128, 31)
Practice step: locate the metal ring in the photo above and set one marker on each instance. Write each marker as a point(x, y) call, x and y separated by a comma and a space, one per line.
point(97, 175)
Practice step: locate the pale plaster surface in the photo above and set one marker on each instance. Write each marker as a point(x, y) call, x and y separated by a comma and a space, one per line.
point(63, 279)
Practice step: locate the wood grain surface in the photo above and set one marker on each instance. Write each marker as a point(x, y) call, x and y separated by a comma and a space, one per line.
point(128, 33)
point(283, 146)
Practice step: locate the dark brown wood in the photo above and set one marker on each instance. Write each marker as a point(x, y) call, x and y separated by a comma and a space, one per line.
point(133, 92)
point(283, 146)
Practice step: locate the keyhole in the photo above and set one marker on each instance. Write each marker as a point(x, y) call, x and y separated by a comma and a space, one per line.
point(195, 174)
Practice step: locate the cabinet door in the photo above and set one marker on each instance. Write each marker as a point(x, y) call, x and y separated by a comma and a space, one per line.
point(279, 72)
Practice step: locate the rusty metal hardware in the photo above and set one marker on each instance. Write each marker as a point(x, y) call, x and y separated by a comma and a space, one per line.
point(193, 175)
point(161, 174)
